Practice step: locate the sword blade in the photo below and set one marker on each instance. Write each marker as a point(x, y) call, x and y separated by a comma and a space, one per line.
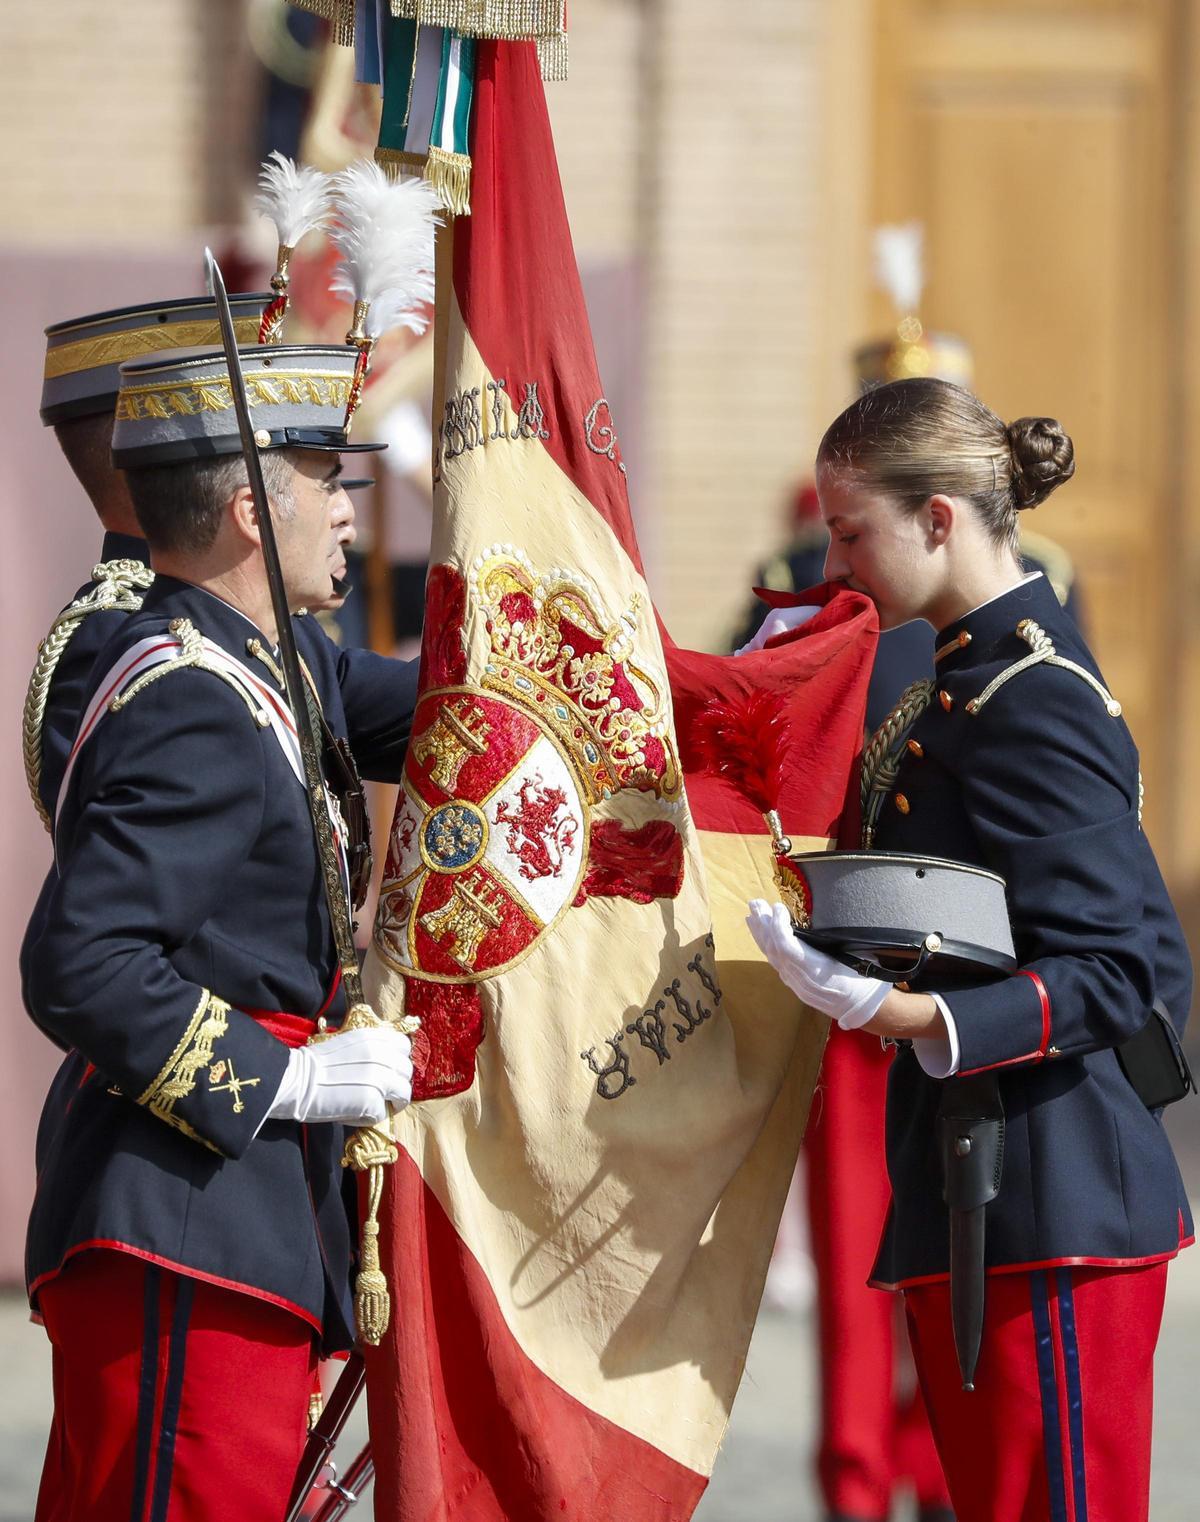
point(290, 660)
point(289, 655)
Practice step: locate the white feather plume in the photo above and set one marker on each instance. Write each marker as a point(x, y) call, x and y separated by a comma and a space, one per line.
point(384, 233)
point(296, 197)
point(898, 250)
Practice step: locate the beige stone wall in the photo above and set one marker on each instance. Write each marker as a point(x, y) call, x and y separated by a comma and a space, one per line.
point(734, 346)
point(597, 117)
point(696, 145)
point(120, 122)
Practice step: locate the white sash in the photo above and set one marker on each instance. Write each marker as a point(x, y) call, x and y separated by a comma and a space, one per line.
point(267, 703)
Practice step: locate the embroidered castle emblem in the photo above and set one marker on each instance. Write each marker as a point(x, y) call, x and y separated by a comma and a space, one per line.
point(459, 732)
point(485, 854)
point(501, 827)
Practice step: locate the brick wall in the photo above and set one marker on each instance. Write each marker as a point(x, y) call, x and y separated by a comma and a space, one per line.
point(690, 147)
point(690, 144)
point(733, 252)
point(120, 122)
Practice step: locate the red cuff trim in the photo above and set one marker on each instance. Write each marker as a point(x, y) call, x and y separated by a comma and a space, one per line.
point(1034, 1056)
point(178, 1268)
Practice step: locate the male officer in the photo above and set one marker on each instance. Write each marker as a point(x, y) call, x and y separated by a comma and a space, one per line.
point(188, 1248)
point(79, 391)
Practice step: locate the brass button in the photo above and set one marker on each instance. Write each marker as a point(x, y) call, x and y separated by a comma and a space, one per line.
point(915, 748)
point(945, 700)
point(902, 803)
point(1053, 1051)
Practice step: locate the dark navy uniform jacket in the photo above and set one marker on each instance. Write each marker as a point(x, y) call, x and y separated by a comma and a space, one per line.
point(1040, 784)
point(187, 910)
point(64, 703)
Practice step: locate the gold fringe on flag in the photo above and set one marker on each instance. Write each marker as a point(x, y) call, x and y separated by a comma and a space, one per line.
point(448, 173)
point(540, 21)
point(508, 20)
point(339, 13)
point(552, 58)
point(398, 162)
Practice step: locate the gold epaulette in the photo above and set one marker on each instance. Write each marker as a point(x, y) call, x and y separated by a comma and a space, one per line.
point(1042, 653)
point(191, 657)
point(119, 588)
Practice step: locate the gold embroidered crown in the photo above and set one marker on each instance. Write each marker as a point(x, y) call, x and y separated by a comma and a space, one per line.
point(556, 652)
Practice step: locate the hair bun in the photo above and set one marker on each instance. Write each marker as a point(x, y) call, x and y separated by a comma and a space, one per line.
point(1043, 458)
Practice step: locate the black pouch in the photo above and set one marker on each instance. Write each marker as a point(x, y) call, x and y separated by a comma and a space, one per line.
point(341, 773)
point(1154, 1062)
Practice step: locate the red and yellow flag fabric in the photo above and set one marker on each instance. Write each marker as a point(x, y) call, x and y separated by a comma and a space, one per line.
point(613, 1084)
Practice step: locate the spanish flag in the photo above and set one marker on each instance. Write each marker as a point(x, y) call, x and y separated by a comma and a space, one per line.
point(613, 1084)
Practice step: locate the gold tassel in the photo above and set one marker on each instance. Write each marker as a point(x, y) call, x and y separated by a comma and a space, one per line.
point(397, 162)
point(450, 175)
point(370, 1151)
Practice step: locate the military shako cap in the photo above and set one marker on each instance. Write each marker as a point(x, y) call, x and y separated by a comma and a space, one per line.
point(181, 408)
point(84, 354)
point(905, 915)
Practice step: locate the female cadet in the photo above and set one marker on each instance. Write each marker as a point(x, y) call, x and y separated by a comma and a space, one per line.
point(1015, 758)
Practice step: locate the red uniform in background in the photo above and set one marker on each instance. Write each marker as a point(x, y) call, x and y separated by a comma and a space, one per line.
point(875, 1438)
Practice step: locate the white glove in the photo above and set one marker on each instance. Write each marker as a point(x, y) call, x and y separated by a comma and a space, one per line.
point(817, 979)
point(778, 621)
point(353, 1077)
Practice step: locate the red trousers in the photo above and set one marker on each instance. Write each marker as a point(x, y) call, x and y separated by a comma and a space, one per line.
point(1058, 1426)
point(873, 1438)
point(174, 1400)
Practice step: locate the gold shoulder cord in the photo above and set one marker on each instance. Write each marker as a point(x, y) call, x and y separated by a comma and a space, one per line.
point(119, 586)
point(1041, 652)
point(191, 656)
point(881, 759)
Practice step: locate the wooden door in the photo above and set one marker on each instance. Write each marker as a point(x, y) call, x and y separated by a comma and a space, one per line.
point(1034, 139)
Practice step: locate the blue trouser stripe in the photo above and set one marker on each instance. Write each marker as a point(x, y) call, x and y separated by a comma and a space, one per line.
point(1066, 1320)
point(147, 1383)
point(172, 1398)
point(1051, 1432)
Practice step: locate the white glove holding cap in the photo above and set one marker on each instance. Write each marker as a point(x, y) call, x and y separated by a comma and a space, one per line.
point(778, 621)
point(817, 979)
point(352, 1077)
